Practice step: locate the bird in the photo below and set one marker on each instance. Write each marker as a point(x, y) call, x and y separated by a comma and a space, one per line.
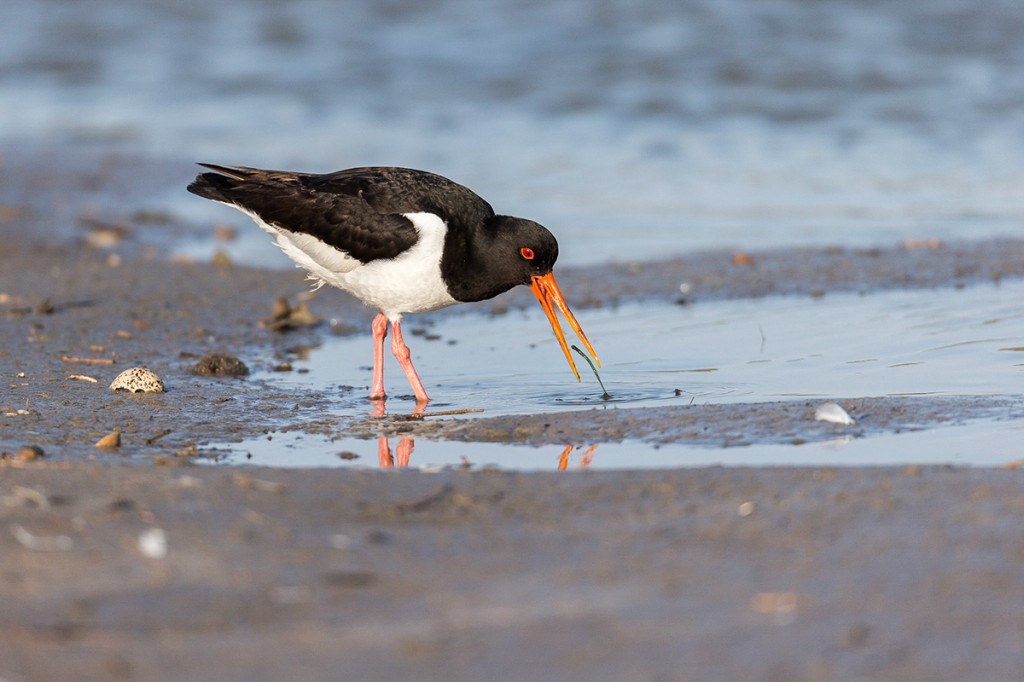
point(398, 239)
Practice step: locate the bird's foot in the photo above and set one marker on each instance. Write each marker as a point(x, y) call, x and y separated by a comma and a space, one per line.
point(378, 406)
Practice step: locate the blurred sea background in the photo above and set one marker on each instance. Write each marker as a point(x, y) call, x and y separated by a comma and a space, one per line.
point(632, 128)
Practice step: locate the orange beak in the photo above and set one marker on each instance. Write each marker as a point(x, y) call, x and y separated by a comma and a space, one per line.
point(548, 293)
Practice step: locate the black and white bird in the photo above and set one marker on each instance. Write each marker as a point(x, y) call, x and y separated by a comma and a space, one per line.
point(399, 240)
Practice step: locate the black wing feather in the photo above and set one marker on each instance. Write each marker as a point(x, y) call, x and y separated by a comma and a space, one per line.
point(358, 211)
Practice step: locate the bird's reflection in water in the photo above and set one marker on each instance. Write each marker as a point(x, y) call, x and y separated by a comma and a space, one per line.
point(585, 459)
point(403, 451)
point(377, 409)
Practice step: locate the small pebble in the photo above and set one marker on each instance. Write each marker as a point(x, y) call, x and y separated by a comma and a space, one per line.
point(137, 380)
point(341, 541)
point(29, 453)
point(915, 244)
point(190, 450)
point(221, 260)
point(286, 318)
point(217, 365)
point(224, 233)
point(742, 259)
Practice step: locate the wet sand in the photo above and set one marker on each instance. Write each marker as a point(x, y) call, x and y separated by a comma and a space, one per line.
point(740, 574)
point(753, 574)
point(69, 313)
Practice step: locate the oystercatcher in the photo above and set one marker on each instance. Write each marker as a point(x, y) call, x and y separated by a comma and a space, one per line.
point(399, 240)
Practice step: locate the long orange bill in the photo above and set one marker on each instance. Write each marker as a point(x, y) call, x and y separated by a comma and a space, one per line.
point(548, 293)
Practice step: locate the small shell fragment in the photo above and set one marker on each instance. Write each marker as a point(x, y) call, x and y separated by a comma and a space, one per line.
point(832, 412)
point(111, 440)
point(137, 380)
point(153, 543)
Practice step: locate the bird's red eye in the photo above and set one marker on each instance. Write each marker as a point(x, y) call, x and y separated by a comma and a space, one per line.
point(526, 252)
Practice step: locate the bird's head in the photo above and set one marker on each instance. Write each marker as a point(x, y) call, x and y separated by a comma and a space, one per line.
point(527, 252)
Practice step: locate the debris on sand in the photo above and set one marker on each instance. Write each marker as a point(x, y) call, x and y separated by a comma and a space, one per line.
point(285, 318)
point(832, 412)
point(41, 543)
point(105, 234)
point(221, 260)
point(218, 365)
point(137, 380)
point(29, 453)
point(89, 361)
point(921, 244)
point(153, 543)
point(742, 259)
point(109, 441)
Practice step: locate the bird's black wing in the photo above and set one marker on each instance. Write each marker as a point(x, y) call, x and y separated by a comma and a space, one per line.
point(405, 190)
point(335, 212)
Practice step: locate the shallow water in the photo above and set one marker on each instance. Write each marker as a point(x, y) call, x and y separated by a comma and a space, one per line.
point(633, 130)
point(965, 342)
point(982, 443)
point(939, 342)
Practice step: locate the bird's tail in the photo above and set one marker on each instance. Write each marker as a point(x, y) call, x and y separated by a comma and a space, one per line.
point(212, 185)
point(219, 184)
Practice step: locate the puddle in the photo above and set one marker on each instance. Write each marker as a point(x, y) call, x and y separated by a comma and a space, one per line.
point(938, 342)
point(984, 444)
point(949, 342)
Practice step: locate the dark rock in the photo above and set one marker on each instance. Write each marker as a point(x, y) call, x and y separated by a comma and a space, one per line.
point(217, 365)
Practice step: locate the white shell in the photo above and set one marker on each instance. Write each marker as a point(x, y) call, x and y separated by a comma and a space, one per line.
point(153, 543)
point(832, 412)
point(137, 380)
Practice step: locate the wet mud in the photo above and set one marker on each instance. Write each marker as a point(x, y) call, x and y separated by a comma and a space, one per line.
point(137, 573)
point(127, 562)
point(730, 425)
point(74, 319)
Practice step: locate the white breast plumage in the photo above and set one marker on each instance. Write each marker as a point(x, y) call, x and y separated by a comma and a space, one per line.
point(409, 283)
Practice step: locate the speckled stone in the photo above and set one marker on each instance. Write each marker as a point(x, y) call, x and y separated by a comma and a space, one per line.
point(137, 380)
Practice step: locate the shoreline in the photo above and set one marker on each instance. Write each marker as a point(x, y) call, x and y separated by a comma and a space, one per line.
point(62, 303)
point(138, 565)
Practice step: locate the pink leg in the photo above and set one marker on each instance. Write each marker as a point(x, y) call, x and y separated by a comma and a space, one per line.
point(403, 452)
point(401, 352)
point(384, 458)
point(378, 407)
point(380, 330)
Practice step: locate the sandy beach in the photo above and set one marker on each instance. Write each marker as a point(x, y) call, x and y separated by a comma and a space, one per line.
point(136, 563)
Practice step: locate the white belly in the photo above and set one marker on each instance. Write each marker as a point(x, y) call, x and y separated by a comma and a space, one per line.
point(409, 283)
